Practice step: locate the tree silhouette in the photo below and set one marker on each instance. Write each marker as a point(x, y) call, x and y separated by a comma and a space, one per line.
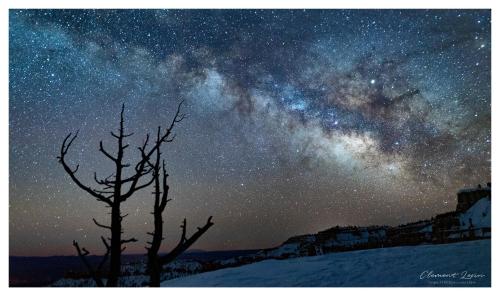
point(156, 262)
point(116, 189)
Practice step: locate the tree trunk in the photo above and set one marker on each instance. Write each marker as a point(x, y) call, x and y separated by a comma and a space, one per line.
point(154, 272)
point(116, 247)
point(154, 267)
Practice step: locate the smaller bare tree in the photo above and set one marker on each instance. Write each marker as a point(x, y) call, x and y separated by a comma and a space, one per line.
point(155, 261)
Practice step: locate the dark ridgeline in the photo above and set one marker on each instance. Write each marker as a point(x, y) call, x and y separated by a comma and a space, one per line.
point(45, 271)
point(113, 192)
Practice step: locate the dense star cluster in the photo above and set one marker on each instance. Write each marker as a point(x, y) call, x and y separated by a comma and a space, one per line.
point(299, 120)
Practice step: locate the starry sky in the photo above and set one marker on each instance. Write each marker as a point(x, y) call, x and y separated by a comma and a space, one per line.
point(299, 120)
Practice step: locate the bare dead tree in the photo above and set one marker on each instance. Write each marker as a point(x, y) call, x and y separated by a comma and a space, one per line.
point(156, 262)
point(117, 188)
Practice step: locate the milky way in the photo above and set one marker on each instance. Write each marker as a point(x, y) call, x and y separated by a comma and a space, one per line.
point(299, 120)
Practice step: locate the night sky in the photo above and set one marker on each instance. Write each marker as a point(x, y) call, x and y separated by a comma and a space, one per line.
point(299, 120)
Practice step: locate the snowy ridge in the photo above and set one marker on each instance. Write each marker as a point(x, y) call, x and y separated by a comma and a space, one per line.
point(453, 226)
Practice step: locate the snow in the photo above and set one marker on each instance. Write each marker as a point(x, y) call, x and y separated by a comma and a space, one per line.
point(286, 249)
point(426, 229)
point(479, 213)
point(397, 266)
point(355, 237)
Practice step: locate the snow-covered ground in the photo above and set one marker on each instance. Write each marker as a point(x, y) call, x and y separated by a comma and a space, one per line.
point(479, 214)
point(458, 264)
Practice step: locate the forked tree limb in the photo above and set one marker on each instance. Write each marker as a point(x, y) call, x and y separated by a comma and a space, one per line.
point(82, 253)
point(186, 243)
point(64, 150)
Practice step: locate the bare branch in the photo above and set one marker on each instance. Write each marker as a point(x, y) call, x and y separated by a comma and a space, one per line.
point(85, 252)
point(171, 139)
point(82, 253)
point(130, 240)
point(123, 136)
point(106, 255)
point(101, 225)
point(106, 182)
point(64, 150)
point(164, 199)
point(183, 235)
point(76, 169)
point(101, 148)
point(185, 244)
